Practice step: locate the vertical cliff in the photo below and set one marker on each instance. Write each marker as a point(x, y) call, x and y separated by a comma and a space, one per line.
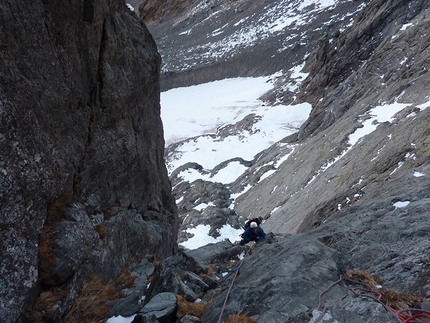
point(83, 185)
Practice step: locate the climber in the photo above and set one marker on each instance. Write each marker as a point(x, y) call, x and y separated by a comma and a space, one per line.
point(253, 233)
point(258, 220)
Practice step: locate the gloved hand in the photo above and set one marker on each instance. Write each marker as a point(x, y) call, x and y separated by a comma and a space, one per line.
point(242, 242)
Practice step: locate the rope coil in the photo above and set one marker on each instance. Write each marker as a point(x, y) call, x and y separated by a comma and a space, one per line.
point(402, 316)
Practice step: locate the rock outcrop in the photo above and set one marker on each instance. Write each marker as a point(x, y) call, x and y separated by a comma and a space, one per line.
point(83, 184)
point(282, 280)
point(357, 64)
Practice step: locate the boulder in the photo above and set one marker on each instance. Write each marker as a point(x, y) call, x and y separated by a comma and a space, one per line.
point(189, 319)
point(187, 292)
point(187, 274)
point(134, 295)
point(165, 281)
point(162, 306)
point(143, 269)
point(214, 252)
point(179, 274)
point(126, 306)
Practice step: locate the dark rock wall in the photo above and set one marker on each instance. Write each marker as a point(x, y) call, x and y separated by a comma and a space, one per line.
point(153, 11)
point(79, 122)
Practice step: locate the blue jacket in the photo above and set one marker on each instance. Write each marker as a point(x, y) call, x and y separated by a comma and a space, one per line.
point(250, 235)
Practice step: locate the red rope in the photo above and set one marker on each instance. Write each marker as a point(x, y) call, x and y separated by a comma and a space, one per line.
point(326, 290)
point(402, 316)
point(319, 300)
point(404, 319)
point(416, 316)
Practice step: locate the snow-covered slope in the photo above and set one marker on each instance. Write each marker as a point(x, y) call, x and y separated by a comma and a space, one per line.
point(229, 32)
point(227, 121)
point(252, 147)
point(221, 154)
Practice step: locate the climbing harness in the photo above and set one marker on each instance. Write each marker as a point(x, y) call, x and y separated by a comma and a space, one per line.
point(402, 316)
point(237, 269)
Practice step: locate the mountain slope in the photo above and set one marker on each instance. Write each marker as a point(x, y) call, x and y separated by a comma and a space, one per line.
point(212, 40)
point(360, 77)
point(268, 25)
point(351, 184)
point(395, 73)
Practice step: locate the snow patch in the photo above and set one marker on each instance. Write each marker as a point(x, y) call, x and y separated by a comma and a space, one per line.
point(403, 204)
point(319, 316)
point(418, 174)
point(120, 319)
point(201, 236)
point(187, 113)
point(405, 26)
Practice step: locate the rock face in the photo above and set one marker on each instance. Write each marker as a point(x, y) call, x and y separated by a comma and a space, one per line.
point(348, 67)
point(85, 195)
point(281, 281)
point(338, 173)
point(83, 185)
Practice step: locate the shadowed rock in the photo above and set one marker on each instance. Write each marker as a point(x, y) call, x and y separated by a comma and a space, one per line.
point(80, 131)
